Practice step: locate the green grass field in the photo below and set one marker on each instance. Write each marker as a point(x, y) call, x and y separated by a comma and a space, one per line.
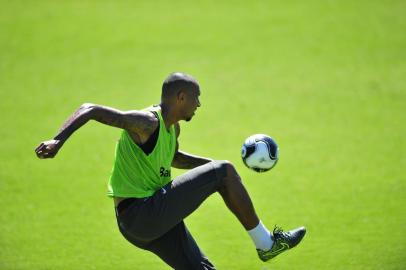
point(326, 79)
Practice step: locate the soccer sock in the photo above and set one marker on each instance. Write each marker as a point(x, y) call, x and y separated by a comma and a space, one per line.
point(261, 237)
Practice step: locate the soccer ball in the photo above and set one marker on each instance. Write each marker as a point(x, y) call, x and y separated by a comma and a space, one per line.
point(260, 153)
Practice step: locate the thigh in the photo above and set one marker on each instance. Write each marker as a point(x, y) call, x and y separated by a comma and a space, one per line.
point(179, 250)
point(176, 247)
point(175, 201)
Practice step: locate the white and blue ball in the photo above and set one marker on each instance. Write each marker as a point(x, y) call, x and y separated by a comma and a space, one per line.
point(260, 152)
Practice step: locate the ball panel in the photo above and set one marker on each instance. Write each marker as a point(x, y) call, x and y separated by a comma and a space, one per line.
point(272, 147)
point(260, 158)
point(247, 150)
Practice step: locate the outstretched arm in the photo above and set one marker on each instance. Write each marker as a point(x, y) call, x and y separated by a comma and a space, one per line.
point(141, 124)
point(183, 160)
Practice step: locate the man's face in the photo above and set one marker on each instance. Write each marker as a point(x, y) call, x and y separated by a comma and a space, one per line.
point(190, 103)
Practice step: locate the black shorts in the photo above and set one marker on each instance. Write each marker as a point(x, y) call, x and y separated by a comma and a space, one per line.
point(156, 223)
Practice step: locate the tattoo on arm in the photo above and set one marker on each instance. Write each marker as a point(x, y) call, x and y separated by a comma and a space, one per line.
point(109, 116)
point(138, 122)
point(75, 121)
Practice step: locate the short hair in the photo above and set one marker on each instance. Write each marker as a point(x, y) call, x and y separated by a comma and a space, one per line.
point(178, 81)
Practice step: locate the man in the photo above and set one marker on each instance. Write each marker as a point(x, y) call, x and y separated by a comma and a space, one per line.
point(150, 206)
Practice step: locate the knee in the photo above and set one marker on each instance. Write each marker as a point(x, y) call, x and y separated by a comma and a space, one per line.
point(226, 172)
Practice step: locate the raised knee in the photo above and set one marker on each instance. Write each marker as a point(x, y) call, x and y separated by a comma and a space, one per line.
point(226, 171)
point(228, 167)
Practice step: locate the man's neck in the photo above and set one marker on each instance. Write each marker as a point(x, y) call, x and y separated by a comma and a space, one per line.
point(168, 115)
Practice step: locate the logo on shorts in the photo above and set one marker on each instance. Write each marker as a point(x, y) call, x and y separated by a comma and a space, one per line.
point(164, 173)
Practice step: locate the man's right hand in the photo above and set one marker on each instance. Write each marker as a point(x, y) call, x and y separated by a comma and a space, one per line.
point(48, 149)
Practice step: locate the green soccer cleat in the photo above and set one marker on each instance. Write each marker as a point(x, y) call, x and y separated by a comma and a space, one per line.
point(282, 241)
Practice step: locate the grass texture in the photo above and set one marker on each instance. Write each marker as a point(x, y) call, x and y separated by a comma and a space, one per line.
point(326, 79)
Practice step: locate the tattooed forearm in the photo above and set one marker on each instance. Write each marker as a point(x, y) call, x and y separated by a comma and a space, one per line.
point(75, 121)
point(184, 160)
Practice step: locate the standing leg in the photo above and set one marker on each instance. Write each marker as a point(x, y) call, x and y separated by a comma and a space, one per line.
point(179, 250)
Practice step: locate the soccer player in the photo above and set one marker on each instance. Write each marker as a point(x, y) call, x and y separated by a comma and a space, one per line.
point(150, 206)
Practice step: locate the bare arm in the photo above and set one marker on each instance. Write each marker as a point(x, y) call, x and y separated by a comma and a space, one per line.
point(139, 123)
point(183, 160)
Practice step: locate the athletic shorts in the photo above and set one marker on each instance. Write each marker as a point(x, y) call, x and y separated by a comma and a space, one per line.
point(156, 223)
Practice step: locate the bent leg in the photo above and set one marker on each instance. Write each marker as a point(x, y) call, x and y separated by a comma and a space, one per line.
point(237, 198)
point(174, 202)
point(178, 199)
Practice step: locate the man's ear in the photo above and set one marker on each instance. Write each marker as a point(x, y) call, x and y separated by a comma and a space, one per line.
point(180, 96)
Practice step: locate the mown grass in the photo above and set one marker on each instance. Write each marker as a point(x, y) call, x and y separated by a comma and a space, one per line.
point(324, 78)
